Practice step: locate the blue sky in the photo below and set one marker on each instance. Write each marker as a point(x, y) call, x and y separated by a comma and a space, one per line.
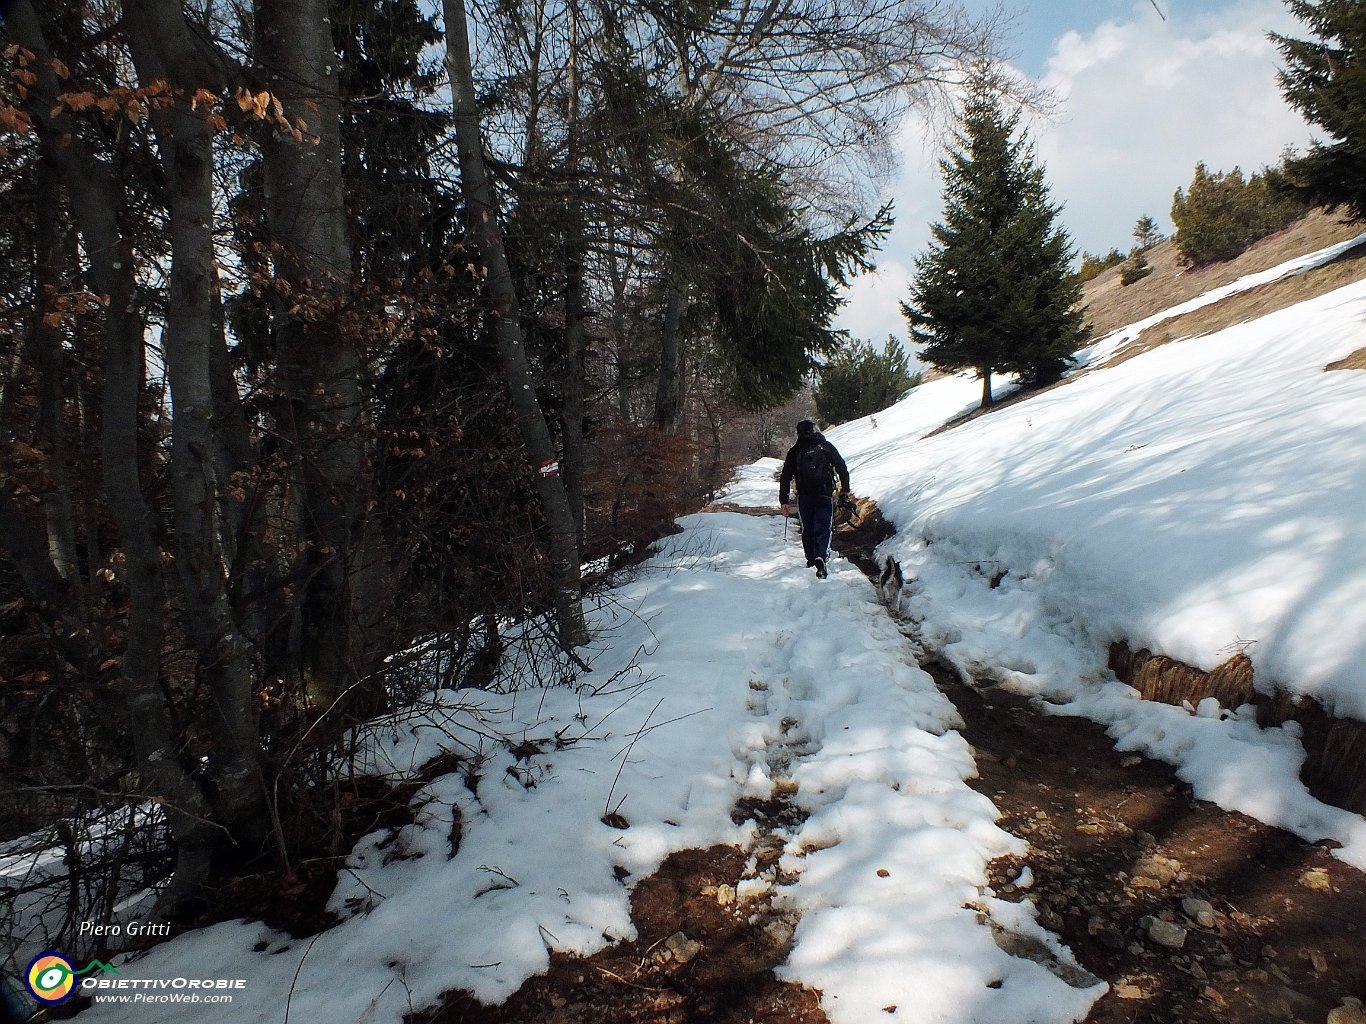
point(1140, 100)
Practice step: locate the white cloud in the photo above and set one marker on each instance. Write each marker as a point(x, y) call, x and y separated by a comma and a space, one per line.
point(1141, 101)
point(872, 296)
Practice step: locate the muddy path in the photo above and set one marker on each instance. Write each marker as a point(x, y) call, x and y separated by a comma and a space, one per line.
point(1192, 914)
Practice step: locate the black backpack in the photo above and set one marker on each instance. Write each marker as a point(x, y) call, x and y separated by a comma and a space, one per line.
point(815, 474)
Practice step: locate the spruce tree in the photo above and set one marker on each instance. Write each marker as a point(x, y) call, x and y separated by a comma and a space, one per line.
point(994, 292)
point(1146, 233)
point(1323, 79)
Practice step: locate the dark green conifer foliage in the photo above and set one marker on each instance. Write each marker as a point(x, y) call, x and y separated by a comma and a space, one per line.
point(1220, 214)
point(1325, 79)
point(995, 292)
point(861, 379)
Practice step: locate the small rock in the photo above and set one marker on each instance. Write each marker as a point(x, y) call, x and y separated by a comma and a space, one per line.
point(781, 931)
point(1163, 869)
point(558, 1001)
point(1144, 882)
point(1091, 828)
point(1212, 994)
point(1011, 761)
point(1124, 990)
point(725, 895)
point(883, 873)
point(1199, 911)
point(1132, 761)
point(1165, 933)
point(681, 948)
point(1256, 976)
point(1319, 961)
point(1316, 879)
point(1145, 839)
point(1198, 973)
point(1041, 815)
point(1350, 1012)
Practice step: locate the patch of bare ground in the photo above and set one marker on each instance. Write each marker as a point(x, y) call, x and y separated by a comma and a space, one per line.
point(1191, 913)
point(1110, 304)
point(1194, 915)
point(698, 959)
point(1251, 304)
point(1356, 361)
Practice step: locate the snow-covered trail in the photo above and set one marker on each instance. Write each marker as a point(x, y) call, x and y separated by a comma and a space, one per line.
point(757, 672)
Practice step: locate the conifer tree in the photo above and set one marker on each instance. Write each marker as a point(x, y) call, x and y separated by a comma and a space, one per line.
point(1322, 79)
point(1146, 232)
point(995, 292)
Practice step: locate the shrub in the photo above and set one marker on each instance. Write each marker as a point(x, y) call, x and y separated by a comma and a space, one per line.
point(1221, 214)
point(862, 379)
point(1093, 266)
point(1136, 268)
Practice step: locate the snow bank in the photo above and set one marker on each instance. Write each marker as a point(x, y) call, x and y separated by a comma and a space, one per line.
point(1200, 499)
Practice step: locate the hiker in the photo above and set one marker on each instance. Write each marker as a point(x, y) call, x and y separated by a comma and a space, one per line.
point(813, 463)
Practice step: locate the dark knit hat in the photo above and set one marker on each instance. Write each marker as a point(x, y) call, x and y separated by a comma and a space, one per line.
point(805, 427)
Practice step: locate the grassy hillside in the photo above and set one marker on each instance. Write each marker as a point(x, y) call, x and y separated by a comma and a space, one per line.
point(1110, 305)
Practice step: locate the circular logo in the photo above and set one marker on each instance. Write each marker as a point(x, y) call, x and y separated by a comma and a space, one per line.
point(51, 978)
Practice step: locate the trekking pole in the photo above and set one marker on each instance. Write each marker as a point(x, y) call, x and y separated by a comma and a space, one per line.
point(785, 518)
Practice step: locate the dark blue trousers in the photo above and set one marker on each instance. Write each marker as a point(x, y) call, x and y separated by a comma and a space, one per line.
point(817, 515)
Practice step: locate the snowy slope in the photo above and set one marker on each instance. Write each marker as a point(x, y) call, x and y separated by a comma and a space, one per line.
point(1202, 498)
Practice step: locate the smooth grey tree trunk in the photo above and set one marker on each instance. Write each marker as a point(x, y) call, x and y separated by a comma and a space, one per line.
point(572, 388)
point(164, 48)
point(481, 209)
point(48, 359)
point(320, 362)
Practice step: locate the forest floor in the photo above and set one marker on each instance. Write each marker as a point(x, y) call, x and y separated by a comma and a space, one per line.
point(1193, 915)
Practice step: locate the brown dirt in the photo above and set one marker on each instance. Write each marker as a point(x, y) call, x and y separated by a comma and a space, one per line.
point(1356, 361)
point(729, 981)
point(1110, 304)
point(1285, 940)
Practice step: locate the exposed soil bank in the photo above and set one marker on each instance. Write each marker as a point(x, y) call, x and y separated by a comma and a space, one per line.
point(1335, 748)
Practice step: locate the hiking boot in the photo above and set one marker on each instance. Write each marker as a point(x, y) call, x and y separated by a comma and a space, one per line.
point(820, 569)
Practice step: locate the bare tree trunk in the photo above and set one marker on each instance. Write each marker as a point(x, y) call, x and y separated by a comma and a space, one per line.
point(572, 390)
point(481, 209)
point(95, 200)
point(669, 393)
point(986, 387)
point(164, 48)
point(320, 362)
point(48, 358)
